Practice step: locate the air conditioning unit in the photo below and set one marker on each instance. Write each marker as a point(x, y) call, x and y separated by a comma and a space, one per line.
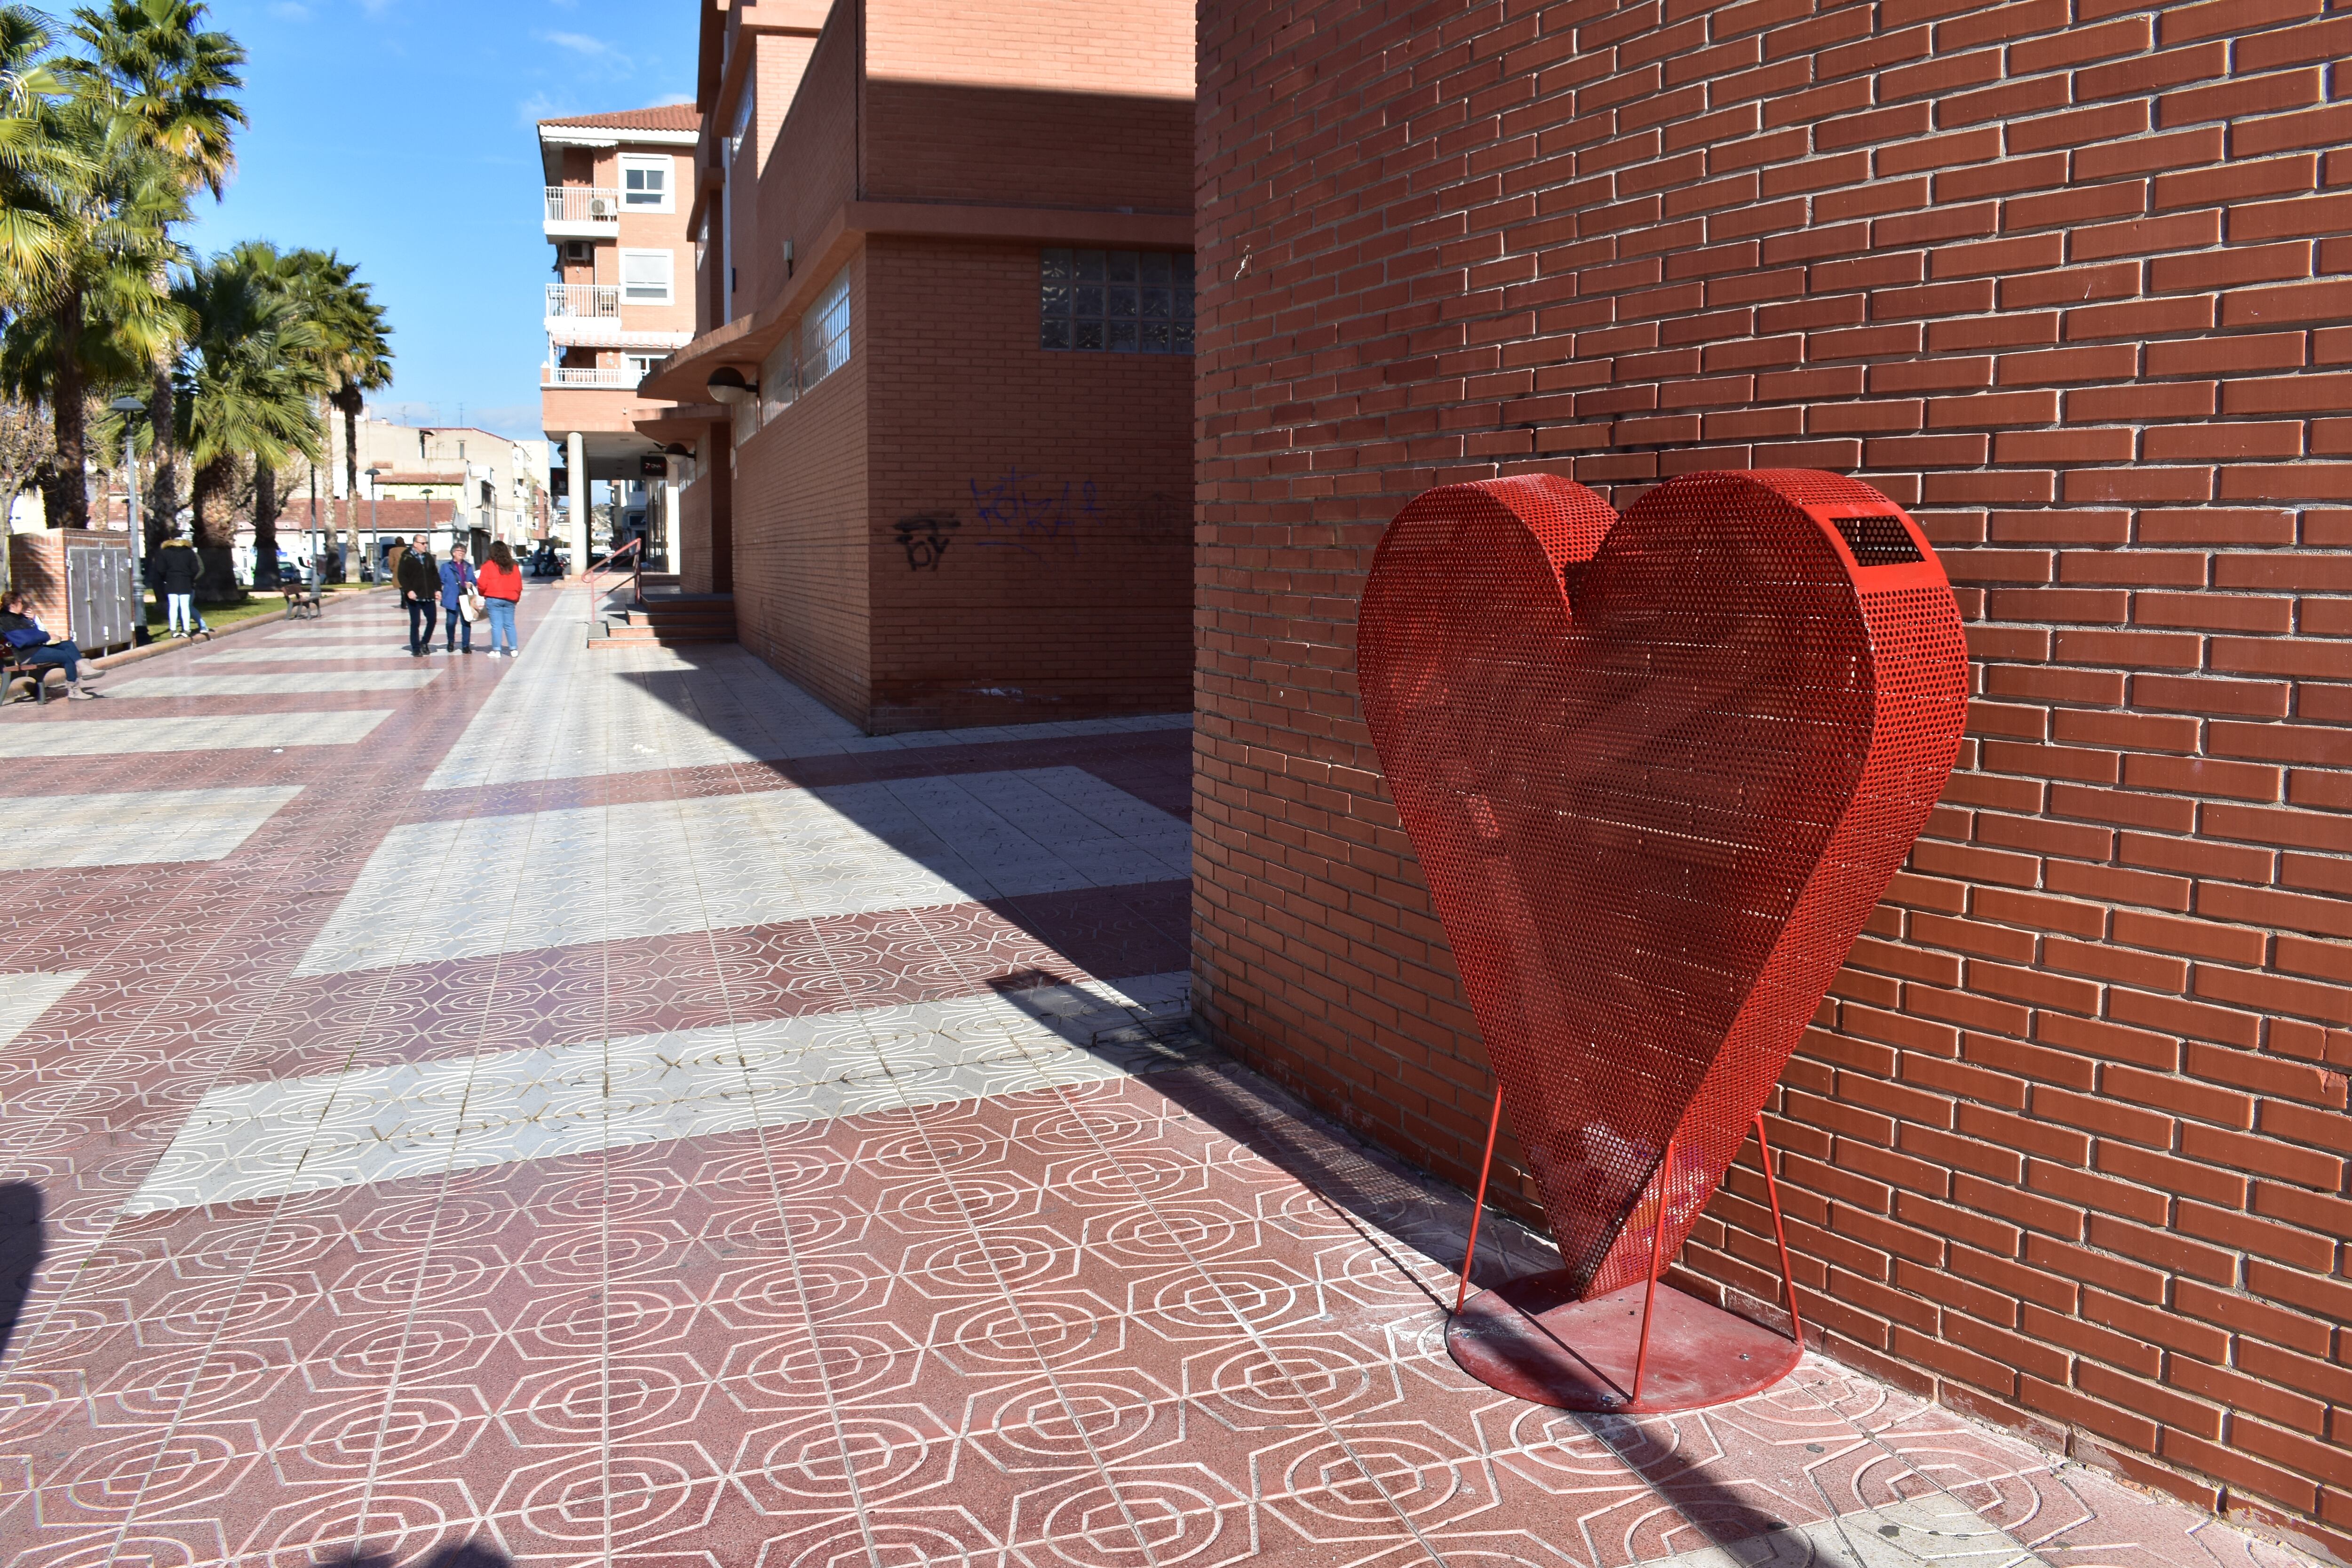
point(576, 250)
point(599, 207)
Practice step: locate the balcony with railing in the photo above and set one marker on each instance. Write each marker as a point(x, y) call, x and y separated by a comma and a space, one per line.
point(582, 211)
point(608, 376)
point(600, 301)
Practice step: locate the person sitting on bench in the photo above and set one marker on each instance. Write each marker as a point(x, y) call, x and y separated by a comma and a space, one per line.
point(36, 649)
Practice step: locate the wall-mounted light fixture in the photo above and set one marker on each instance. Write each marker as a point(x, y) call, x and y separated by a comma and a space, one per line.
point(726, 386)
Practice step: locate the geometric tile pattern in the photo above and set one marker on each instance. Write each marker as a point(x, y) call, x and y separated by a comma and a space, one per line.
point(139, 826)
point(266, 654)
point(288, 683)
point(251, 1141)
point(952, 1286)
point(633, 708)
point(25, 996)
point(74, 736)
point(555, 879)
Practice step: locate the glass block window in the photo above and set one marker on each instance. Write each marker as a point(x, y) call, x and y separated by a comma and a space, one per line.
point(825, 332)
point(1115, 301)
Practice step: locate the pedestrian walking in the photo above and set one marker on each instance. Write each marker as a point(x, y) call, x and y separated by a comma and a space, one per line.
point(38, 649)
point(459, 586)
point(502, 580)
point(177, 570)
point(419, 576)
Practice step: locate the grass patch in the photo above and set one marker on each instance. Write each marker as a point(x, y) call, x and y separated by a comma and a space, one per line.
point(220, 617)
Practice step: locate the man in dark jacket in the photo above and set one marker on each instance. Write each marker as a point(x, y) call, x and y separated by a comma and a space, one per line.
point(178, 569)
point(419, 576)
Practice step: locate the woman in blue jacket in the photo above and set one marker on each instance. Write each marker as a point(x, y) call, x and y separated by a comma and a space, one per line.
point(456, 576)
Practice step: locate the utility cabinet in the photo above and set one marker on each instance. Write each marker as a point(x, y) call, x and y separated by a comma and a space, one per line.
point(79, 582)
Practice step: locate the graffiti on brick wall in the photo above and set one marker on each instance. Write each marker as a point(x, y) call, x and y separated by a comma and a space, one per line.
point(1027, 514)
point(1030, 514)
point(925, 537)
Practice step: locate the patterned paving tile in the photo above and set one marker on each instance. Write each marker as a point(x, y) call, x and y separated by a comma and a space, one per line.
point(139, 826)
point(629, 710)
point(558, 878)
point(78, 733)
point(682, 1195)
point(290, 683)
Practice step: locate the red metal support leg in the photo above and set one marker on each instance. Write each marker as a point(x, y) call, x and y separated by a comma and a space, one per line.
point(1657, 1263)
point(1780, 1233)
point(1493, 1125)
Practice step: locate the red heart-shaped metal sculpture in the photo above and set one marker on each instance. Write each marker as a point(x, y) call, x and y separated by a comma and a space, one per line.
point(1659, 770)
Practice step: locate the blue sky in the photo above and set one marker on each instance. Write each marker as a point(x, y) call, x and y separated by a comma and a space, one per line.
point(399, 133)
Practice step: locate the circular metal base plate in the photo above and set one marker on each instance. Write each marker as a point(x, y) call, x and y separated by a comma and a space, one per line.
point(1533, 1340)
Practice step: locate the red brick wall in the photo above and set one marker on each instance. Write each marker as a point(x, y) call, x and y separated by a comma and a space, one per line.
point(1060, 483)
point(2067, 1148)
point(1061, 103)
point(813, 170)
point(798, 509)
point(694, 562)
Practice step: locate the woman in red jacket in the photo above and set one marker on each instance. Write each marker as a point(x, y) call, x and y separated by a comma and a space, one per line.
point(501, 585)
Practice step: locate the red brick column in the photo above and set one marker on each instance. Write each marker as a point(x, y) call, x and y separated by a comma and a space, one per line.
point(2068, 1146)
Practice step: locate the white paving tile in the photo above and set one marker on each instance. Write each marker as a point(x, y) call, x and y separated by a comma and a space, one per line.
point(373, 1124)
point(289, 682)
point(397, 649)
point(138, 828)
point(565, 710)
point(439, 890)
point(1936, 1530)
point(96, 737)
point(25, 996)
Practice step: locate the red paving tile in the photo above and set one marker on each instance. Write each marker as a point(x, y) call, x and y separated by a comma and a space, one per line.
point(1144, 1321)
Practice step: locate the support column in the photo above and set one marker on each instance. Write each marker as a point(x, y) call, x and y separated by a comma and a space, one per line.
point(575, 460)
point(673, 532)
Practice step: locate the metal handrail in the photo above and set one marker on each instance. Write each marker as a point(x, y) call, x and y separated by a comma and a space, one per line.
point(636, 576)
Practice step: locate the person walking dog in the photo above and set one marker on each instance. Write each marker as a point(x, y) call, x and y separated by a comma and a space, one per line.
point(419, 576)
point(502, 580)
point(178, 569)
point(457, 580)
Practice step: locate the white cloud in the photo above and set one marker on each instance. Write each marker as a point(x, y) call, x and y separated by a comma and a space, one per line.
point(581, 43)
point(288, 11)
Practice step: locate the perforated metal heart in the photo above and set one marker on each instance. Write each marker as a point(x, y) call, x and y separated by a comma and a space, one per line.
point(1658, 770)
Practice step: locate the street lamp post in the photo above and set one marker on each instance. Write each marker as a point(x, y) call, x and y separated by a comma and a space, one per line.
point(375, 534)
point(132, 411)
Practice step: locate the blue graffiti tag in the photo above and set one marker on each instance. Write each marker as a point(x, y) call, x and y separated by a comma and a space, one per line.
point(1021, 512)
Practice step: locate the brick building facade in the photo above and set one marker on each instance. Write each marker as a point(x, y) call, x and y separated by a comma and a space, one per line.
point(935, 515)
point(2067, 1146)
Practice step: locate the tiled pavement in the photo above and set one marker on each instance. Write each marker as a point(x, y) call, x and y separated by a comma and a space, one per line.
point(600, 1108)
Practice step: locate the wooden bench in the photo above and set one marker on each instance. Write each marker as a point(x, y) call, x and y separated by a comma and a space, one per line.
point(301, 601)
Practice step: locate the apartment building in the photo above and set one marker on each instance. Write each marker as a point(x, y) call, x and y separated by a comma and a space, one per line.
point(487, 486)
point(940, 397)
point(620, 297)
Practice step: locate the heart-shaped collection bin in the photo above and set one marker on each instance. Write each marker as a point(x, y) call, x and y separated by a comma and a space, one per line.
point(1659, 770)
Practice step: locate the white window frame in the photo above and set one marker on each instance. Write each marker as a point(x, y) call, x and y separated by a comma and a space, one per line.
point(629, 295)
point(655, 162)
point(780, 375)
point(825, 332)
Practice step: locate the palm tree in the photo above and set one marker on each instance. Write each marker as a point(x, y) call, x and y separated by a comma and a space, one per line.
point(91, 308)
point(35, 161)
point(165, 82)
point(245, 390)
point(357, 357)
